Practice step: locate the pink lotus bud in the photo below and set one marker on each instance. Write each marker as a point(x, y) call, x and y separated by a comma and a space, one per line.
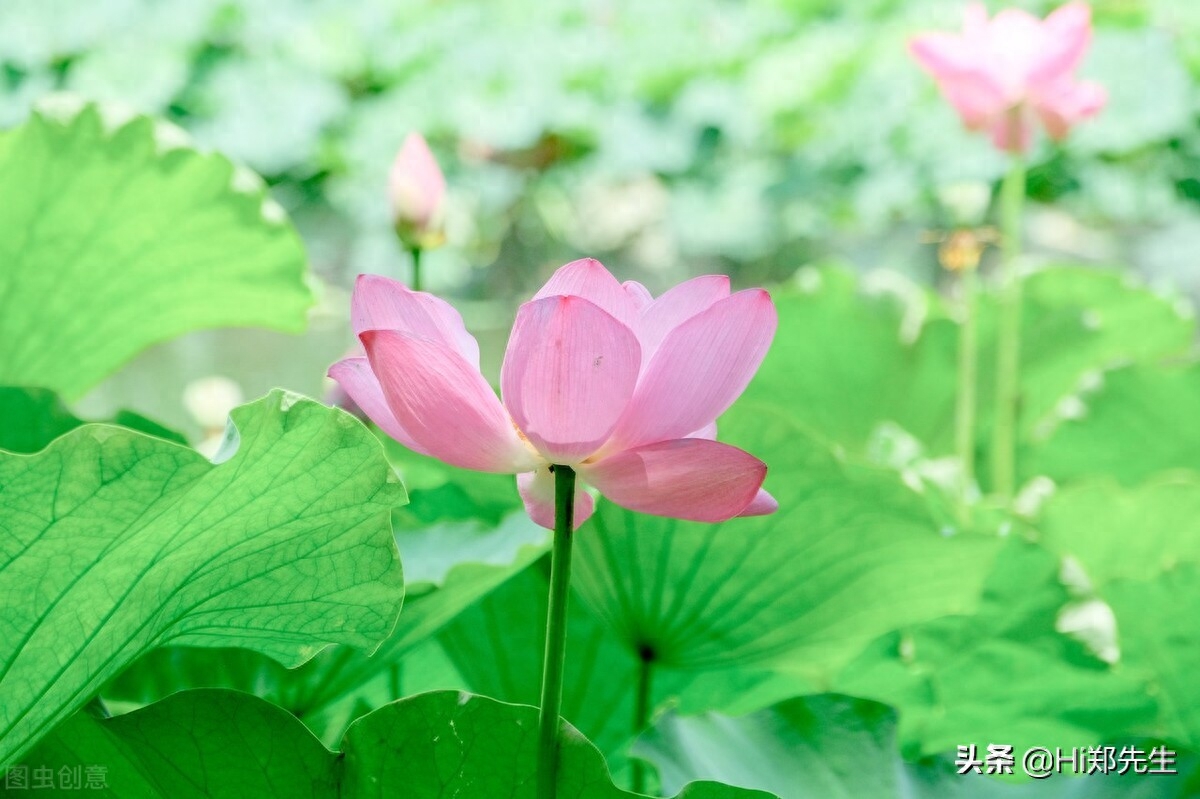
point(1004, 74)
point(417, 188)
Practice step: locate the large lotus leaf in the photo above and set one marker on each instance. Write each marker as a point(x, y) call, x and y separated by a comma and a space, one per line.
point(341, 683)
point(1078, 322)
point(444, 744)
point(1137, 421)
point(852, 553)
point(117, 235)
point(496, 647)
point(453, 555)
point(449, 566)
point(1135, 556)
point(1156, 626)
point(1003, 674)
point(836, 747)
point(1125, 533)
point(807, 747)
point(205, 743)
point(847, 357)
point(115, 542)
point(33, 417)
point(852, 353)
point(213, 744)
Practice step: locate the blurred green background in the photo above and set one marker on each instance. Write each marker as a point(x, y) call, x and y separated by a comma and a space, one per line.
point(666, 138)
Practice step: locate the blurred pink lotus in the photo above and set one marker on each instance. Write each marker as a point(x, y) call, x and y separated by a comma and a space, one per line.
point(1003, 74)
point(598, 376)
point(417, 188)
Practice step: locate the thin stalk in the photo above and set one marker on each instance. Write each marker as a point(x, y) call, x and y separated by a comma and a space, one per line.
point(416, 280)
point(641, 713)
point(964, 412)
point(1008, 355)
point(556, 631)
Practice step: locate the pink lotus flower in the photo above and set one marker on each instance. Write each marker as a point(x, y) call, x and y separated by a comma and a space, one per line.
point(1002, 74)
point(598, 376)
point(416, 188)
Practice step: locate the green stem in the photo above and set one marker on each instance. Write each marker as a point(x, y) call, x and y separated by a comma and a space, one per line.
point(964, 412)
point(1008, 356)
point(641, 713)
point(556, 631)
point(416, 280)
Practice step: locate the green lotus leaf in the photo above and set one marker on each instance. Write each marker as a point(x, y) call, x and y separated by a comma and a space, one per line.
point(115, 235)
point(214, 744)
point(114, 542)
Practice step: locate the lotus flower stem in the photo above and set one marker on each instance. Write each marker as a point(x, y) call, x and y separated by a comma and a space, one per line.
point(964, 412)
point(641, 712)
point(1008, 356)
point(556, 631)
point(416, 275)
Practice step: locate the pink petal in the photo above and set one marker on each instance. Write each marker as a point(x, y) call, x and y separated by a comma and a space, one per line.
point(416, 185)
point(763, 504)
point(640, 295)
point(380, 303)
point(1066, 103)
point(587, 278)
point(963, 76)
point(1068, 30)
point(677, 306)
point(702, 366)
point(688, 478)
point(568, 374)
point(1017, 44)
point(944, 55)
point(355, 377)
point(537, 492)
point(448, 410)
point(977, 98)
